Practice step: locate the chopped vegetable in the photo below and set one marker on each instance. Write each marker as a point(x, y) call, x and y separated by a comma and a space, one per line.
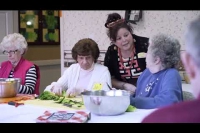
point(63, 93)
point(130, 108)
point(47, 95)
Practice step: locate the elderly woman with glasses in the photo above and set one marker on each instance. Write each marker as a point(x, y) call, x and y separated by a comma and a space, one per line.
point(15, 46)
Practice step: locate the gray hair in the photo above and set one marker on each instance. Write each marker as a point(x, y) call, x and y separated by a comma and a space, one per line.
point(192, 40)
point(167, 49)
point(14, 40)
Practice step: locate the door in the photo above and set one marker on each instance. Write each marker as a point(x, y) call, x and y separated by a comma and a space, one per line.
point(6, 26)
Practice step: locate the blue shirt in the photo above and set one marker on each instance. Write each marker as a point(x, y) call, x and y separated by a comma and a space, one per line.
point(158, 89)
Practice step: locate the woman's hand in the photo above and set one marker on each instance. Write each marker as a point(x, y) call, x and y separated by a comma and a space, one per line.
point(129, 87)
point(57, 89)
point(74, 92)
point(71, 93)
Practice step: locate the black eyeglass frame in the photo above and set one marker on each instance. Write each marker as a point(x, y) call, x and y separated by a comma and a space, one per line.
point(10, 52)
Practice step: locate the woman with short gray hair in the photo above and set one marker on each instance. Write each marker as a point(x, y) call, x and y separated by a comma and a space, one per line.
point(167, 48)
point(160, 83)
point(15, 46)
point(188, 111)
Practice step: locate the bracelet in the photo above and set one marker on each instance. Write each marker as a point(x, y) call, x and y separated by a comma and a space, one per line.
point(123, 86)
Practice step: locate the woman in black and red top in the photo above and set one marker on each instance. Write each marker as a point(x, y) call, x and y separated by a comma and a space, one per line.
point(123, 56)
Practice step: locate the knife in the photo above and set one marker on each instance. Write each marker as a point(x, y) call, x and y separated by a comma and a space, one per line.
point(15, 103)
point(108, 86)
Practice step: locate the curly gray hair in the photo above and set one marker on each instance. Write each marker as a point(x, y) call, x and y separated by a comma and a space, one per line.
point(192, 40)
point(167, 49)
point(14, 40)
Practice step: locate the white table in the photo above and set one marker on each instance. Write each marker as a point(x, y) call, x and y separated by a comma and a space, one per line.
point(29, 113)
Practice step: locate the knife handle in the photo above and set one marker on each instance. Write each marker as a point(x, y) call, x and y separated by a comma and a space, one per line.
point(11, 103)
point(15, 103)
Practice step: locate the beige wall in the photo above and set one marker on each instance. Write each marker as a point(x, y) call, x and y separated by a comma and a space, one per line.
point(80, 24)
point(48, 52)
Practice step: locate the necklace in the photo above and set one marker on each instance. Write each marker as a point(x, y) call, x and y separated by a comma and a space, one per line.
point(151, 83)
point(131, 59)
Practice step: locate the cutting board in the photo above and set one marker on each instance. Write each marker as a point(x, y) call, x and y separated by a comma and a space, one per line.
point(53, 104)
point(19, 97)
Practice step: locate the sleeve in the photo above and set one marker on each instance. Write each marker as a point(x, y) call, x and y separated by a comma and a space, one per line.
point(170, 93)
point(106, 78)
point(30, 82)
point(62, 81)
point(142, 43)
point(108, 60)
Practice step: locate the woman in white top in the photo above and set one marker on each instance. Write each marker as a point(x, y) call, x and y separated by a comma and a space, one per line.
point(86, 74)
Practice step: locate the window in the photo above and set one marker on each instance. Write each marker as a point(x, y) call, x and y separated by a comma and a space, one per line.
point(40, 27)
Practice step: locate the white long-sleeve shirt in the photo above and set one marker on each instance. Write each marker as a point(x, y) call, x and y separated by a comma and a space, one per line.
point(69, 79)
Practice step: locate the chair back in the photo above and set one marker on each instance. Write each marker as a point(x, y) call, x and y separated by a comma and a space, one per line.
point(37, 86)
point(187, 96)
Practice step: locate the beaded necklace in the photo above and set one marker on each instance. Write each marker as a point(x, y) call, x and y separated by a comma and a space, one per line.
point(152, 82)
point(131, 59)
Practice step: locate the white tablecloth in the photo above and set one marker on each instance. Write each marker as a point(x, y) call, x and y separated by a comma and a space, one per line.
point(29, 113)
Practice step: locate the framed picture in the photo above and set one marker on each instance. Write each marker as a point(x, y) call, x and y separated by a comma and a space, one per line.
point(40, 27)
point(133, 16)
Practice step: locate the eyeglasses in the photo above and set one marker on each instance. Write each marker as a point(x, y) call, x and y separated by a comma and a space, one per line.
point(10, 52)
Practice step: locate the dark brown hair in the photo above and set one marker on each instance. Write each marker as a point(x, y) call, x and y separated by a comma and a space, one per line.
point(86, 47)
point(112, 18)
point(112, 31)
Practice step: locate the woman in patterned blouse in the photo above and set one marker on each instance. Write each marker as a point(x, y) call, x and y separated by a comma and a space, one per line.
point(125, 57)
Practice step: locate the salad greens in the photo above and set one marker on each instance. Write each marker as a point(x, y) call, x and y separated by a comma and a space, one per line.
point(47, 95)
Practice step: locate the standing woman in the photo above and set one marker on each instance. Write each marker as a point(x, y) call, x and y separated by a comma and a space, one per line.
point(15, 46)
point(125, 57)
